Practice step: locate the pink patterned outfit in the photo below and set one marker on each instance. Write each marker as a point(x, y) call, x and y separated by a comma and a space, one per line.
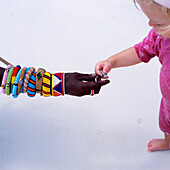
point(156, 45)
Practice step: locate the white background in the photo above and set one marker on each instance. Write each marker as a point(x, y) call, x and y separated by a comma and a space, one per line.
point(109, 131)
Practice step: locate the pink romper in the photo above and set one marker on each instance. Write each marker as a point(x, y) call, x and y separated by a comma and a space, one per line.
point(156, 45)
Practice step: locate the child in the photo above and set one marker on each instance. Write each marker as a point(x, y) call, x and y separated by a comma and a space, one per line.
point(157, 43)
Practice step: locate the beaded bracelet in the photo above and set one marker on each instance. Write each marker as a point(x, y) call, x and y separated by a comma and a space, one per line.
point(3, 84)
point(15, 86)
point(57, 84)
point(41, 82)
point(8, 81)
point(31, 85)
point(39, 79)
point(21, 80)
point(16, 69)
point(27, 78)
point(22, 87)
point(46, 84)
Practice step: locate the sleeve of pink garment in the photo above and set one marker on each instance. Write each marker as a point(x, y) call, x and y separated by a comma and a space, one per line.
point(147, 49)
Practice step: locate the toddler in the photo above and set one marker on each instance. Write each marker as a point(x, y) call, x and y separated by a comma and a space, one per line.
point(157, 43)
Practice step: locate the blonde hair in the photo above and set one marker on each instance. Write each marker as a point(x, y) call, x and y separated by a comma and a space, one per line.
point(164, 9)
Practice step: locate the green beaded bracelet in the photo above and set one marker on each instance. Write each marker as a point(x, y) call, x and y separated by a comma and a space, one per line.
point(8, 81)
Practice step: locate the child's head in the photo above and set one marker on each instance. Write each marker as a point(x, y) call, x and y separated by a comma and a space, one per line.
point(158, 15)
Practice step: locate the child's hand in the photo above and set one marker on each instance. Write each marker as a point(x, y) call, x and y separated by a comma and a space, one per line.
point(105, 66)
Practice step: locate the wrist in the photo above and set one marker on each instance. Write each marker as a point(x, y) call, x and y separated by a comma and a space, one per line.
point(1, 74)
point(111, 61)
point(65, 82)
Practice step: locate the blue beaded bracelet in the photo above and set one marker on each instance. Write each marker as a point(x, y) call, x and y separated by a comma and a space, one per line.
point(31, 85)
point(15, 86)
point(22, 88)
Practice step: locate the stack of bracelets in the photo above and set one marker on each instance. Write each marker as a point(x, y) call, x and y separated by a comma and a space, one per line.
point(18, 80)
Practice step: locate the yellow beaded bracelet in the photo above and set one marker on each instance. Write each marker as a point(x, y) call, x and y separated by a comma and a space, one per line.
point(46, 84)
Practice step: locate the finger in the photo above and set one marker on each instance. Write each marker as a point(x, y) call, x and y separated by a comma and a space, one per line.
point(96, 91)
point(102, 83)
point(94, 85)
point(106, 69)
point(97, 85)
point(97, 71)
point(87, 92)
point(87, 77)
point(98, 78)
point(99, 66)
point(93, 92)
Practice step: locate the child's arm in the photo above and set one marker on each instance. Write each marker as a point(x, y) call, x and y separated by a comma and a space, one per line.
point(127, 57)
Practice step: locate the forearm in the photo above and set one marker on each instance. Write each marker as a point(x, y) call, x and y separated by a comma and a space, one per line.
point(18, 80)
point(127, 57)
point(1, 74)
point(76, 84)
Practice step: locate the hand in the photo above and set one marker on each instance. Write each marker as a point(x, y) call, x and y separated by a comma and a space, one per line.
point(105, 66)
point(77, 84)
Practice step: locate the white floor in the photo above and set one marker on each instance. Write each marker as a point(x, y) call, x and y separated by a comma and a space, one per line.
point(109, 131)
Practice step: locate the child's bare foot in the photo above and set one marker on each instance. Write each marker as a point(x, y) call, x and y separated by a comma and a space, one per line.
point(158, 144)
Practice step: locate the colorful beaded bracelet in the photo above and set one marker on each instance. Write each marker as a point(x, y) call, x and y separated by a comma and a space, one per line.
point(16, 69)
point(18, 79)
point(46, 84)
point(27, 78)
point(8, 81)
point(31, 85)
point(21, 80)
point(39, 79)
point(15, 86)
point(22, 87)
point(57, 84)
point(3, 84)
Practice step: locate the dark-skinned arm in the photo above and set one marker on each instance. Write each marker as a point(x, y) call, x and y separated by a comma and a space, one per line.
point(77, 84)
point(1, 74)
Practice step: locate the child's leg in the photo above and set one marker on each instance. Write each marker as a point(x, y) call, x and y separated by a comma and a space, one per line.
point(164, 124)
point(159, 144)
